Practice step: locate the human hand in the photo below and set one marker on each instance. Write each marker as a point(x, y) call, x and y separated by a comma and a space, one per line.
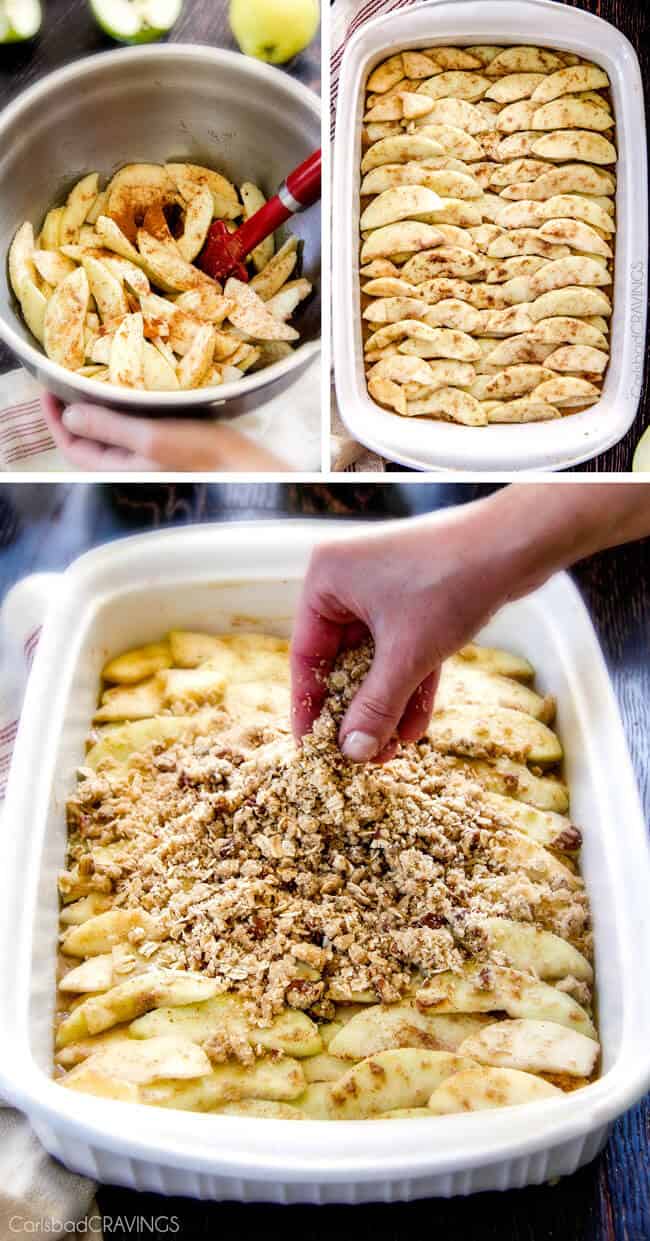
point(419, 591)
point(423, 588)
point(92, 437)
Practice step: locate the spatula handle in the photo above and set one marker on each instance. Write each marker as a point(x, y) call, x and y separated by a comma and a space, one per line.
point(301, 189)
point(303, 185)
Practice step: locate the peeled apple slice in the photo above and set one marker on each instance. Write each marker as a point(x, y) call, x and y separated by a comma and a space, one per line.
point(19, 20)
point(136, 21)
point(641, 459)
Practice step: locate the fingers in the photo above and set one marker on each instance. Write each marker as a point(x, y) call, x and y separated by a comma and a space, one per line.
point(417, 713)
point(94, 437)
point(170, 443)
point(106, 426)
point(87, 454)
point(372, 720)
point(323, 626)
point(315, 643)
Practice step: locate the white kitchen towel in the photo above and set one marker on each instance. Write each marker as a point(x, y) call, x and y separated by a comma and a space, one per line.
point(347, 16)
point(288, 425)
point(37, 1194)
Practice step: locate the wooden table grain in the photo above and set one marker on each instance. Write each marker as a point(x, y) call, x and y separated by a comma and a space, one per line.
point(44, 527)
point(69, 32)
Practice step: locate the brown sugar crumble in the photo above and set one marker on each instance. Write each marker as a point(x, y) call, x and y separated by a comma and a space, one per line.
point(293, 877)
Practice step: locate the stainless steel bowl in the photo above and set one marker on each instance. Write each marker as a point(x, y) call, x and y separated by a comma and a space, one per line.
point(155, 104)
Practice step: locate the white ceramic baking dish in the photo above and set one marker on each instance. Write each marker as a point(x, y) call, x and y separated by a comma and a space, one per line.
point(221, 578)
point(426, 444)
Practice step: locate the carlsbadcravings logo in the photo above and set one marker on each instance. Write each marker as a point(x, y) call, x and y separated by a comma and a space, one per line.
point(108, 1226)
point(637, 304)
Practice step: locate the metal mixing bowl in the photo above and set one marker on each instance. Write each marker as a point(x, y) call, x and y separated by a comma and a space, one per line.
point(157, 104)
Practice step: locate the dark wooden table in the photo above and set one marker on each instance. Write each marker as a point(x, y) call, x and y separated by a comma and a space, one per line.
point(69, 32)
point(44, 527)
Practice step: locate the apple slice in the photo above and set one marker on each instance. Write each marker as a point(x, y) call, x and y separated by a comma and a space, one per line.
point(253, 200)
point(492, 988)
point(79, 202)
point(95, 974)
point(106, 290)
point(198, 218)
point(49, 239)
point(65, 316)
point(19, 20)
point(51, 266)
point(157, 1059)
point(533, 1047)
point(34, 305)
point(483, 1088)
point(136, 21)
point(159, 375)
point(130, 999)
point(21, 259)
point(126, 364)
point(269, 281)
point(170, 272)
point(114, 239)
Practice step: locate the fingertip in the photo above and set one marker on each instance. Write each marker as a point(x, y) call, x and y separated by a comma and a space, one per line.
point(359, 747)
point(75, 419)
point(419, 708)
point(303, 714)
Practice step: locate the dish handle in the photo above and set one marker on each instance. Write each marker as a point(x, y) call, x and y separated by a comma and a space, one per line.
point(21, 619)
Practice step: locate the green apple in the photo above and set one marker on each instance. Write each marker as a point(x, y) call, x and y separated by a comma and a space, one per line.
point(19, 20)
point(274, 30)
point(641, 459)
point(136, 21)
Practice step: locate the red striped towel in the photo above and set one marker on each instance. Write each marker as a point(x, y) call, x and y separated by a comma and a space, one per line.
point(25, 442)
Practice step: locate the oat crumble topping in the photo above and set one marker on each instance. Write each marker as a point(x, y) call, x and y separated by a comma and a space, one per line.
point(293, 877)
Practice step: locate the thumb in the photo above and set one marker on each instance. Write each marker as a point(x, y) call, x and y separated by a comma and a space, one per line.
point(374, 714)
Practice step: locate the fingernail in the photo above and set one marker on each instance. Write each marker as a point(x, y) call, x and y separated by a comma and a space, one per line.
point(73, 419)
point(359, 747)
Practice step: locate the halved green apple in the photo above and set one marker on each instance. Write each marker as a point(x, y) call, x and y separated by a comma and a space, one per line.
point(136, 21)
point(19, 20)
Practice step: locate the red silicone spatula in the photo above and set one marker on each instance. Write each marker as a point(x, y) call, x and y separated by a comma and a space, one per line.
point(224, 253)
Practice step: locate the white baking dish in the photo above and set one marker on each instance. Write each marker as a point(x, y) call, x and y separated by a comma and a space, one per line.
point(221, 577)
point(555, 445)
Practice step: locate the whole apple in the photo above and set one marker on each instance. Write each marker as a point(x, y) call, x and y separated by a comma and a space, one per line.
point(274, 30)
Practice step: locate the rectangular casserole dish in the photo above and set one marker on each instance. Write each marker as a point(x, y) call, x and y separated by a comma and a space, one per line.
point(216, 578)
point(427, 444)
